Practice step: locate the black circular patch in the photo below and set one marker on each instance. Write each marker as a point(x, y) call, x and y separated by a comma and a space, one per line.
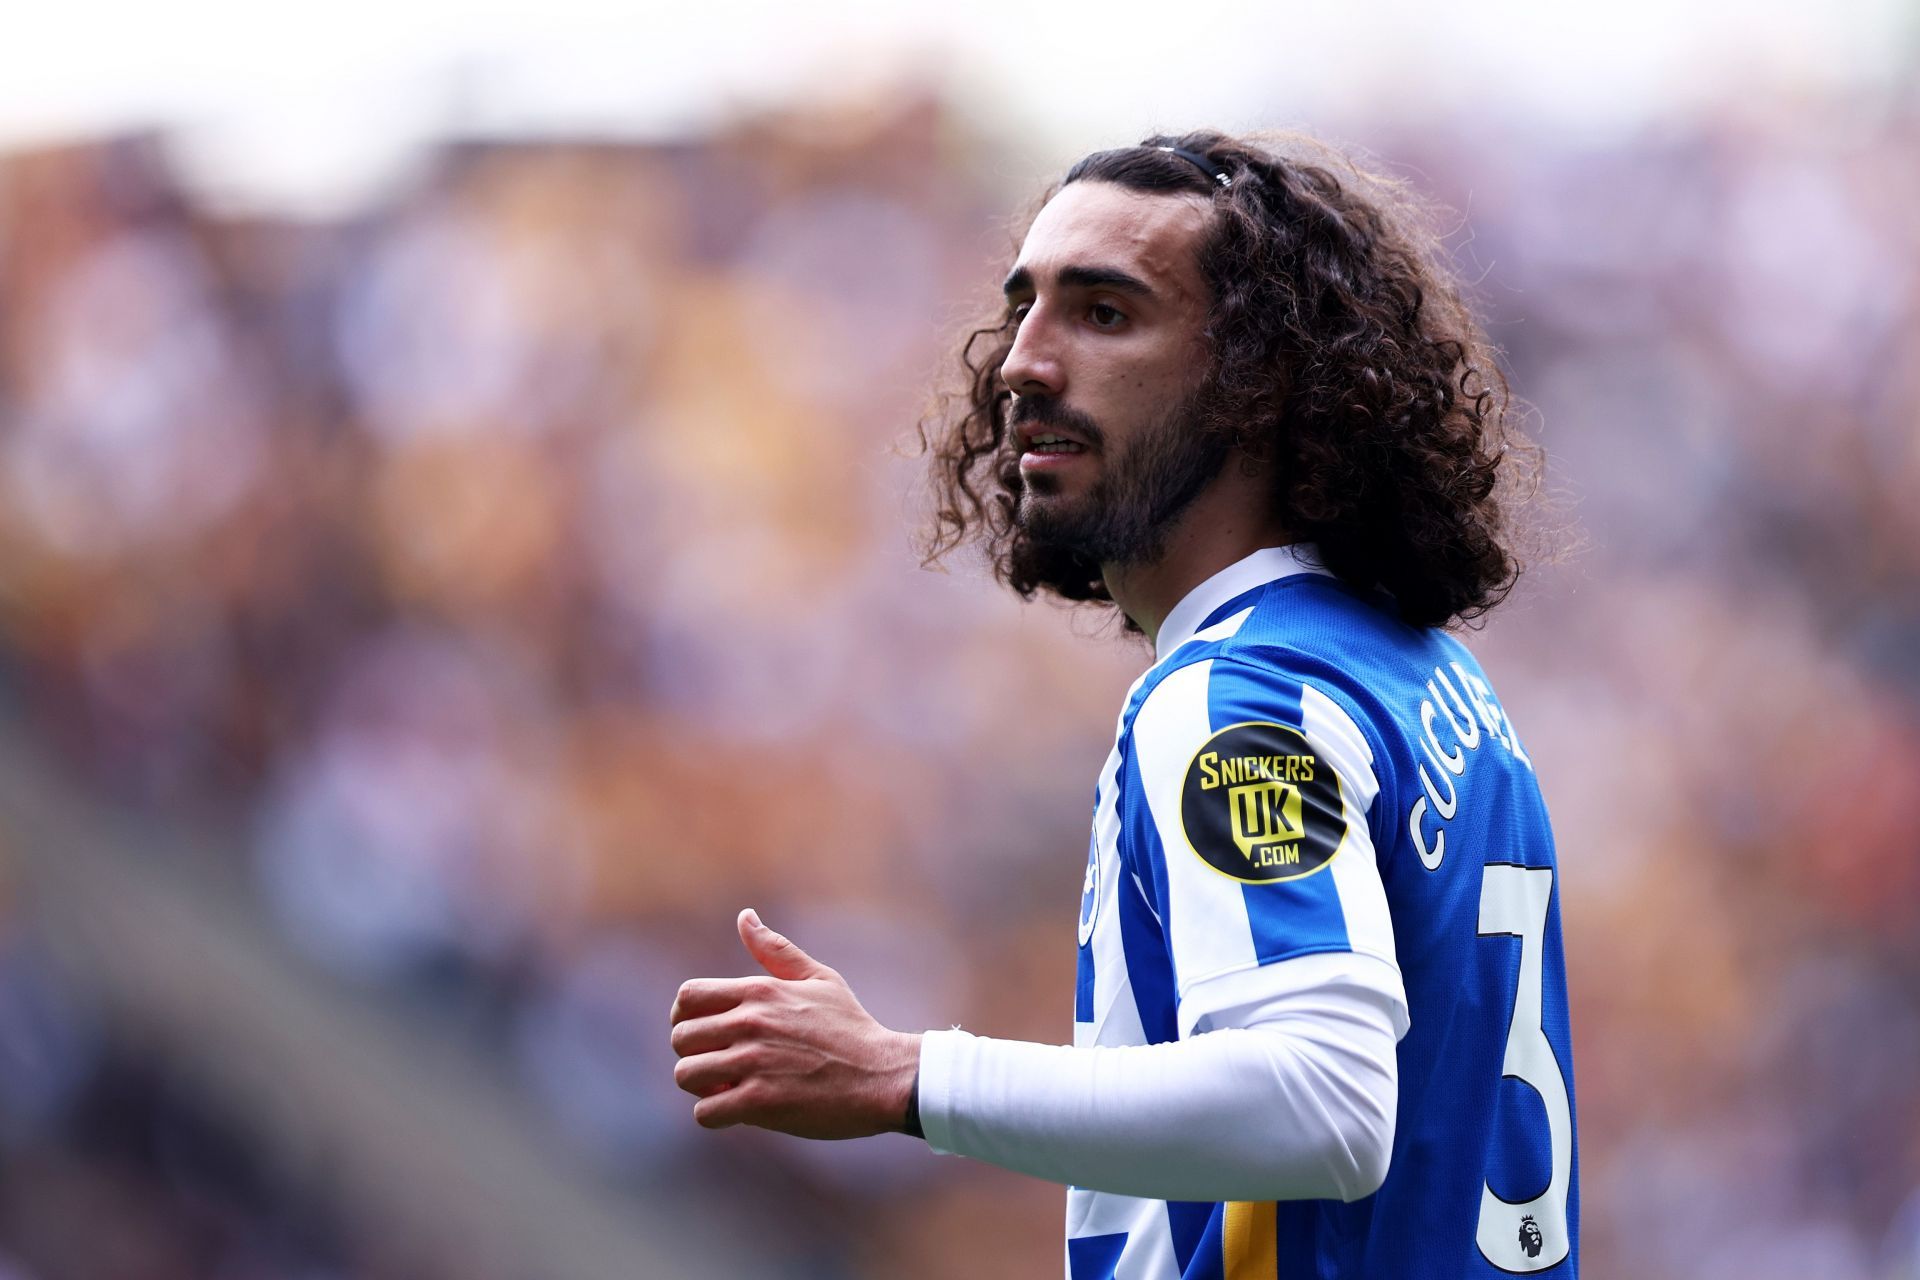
point(1258, 805)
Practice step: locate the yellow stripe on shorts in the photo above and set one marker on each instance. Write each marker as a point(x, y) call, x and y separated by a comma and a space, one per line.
point(1248, 1239)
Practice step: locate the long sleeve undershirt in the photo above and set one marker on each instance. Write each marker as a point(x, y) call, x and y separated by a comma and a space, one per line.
point(1292, 1098)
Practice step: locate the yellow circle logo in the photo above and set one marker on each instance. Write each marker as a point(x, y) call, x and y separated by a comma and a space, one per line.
point(1258, 805)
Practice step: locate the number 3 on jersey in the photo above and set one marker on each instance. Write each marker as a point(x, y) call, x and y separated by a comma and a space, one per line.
point(1531, 1235)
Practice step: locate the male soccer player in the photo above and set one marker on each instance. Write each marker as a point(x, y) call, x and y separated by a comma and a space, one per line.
point(1320, 1024)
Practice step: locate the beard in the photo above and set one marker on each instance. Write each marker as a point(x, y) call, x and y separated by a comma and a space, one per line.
point(1126, 517)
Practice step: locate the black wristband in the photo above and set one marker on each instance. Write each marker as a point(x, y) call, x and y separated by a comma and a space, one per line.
point(911, 1125)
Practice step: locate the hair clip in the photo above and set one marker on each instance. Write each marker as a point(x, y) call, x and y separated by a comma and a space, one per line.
point(1201, 163)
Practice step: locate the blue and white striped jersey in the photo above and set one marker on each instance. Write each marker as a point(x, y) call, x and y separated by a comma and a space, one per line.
point(1304, 790)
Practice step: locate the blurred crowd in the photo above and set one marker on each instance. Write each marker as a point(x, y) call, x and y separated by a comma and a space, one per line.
point(522, 570)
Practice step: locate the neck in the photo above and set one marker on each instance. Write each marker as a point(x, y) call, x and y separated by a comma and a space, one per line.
point(1229, 521)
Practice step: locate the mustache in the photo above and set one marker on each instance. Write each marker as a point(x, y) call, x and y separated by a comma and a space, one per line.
point(1047, 411)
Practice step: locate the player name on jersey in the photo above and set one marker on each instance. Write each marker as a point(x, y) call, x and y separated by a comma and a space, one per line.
point(1466, 723)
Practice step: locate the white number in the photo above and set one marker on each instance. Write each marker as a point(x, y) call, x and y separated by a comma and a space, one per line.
point(1531, 1236)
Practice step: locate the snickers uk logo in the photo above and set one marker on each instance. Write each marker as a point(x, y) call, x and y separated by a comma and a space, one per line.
point(1259, 806)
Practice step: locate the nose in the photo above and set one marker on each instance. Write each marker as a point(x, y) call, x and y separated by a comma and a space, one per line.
point(1032, 366)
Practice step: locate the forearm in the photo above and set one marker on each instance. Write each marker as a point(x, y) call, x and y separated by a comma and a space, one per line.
point(1297, 1106)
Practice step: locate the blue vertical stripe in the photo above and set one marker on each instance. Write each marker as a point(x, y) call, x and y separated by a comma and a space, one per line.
point(1083, 971)
point(1300, 1235)
point(1209, 1258)
point(1149, 971)
point(1187, 1220)
point(1095, 1257)
point(1296, 918)
point(1090, 892)
point(1236, 692)
point(1150, 964)
point(1245, 600)
point(1083, 985)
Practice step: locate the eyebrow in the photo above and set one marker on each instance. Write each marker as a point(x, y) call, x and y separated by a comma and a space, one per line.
point(1021, 281)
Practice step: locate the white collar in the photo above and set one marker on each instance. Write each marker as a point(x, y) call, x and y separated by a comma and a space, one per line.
point(1265, 565)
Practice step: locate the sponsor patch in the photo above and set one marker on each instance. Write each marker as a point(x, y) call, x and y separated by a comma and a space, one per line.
point(1258, 805)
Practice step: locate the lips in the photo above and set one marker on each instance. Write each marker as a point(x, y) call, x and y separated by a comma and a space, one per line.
point(1045, 450)
point(1048, 440)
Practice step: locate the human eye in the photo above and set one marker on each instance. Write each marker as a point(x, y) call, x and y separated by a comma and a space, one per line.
point(1017, 311)
point(1105, 315)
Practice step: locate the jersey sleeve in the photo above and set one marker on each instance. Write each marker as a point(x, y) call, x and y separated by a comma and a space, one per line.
point(1250, 840)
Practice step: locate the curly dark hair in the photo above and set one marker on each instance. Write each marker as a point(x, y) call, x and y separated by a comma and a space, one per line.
point(1344, 356)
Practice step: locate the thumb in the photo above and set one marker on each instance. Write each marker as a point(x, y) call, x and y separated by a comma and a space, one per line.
point(778, 955)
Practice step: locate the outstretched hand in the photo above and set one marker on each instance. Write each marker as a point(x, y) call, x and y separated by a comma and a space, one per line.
point(791, 1050)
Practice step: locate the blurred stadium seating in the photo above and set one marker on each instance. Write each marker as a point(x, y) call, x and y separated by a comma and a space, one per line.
point(422, 633)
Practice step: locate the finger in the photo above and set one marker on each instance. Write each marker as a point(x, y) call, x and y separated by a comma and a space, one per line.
point(707, 1073)
point(738, 1105)
point(704, 997)
point(704, 1035)
point(777, 954)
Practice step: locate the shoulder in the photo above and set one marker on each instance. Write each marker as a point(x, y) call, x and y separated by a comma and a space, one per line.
point(1209, 715)
point(1263, 778)
point(1311, 656)
point(1293, 629)
point(1306, 642)
point(1319, 628)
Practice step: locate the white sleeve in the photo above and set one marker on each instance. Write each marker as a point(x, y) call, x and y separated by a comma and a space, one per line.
point(1295, 1101)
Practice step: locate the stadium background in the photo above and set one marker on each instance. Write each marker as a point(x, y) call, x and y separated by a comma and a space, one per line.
point(431, 603)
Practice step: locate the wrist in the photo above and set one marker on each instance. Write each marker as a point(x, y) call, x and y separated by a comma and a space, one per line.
point(911, 1124)
point(905, 1111)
